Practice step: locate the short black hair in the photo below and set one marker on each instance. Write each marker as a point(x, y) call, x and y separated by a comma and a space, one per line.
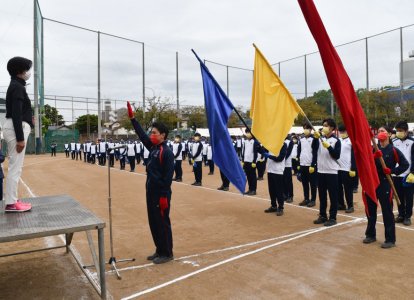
point(17, 65)
point(341, 127)
point(247, 130)
point(197, 134)
point(330, 122)
point(307, 126)
point(161, 128)
point(402, 125)
point(387, 128)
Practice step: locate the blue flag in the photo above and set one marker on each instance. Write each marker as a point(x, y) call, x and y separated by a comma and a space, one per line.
point(218, 110)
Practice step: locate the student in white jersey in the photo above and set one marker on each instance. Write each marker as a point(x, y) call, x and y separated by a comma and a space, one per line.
point(196, 159)
point(346, 172)
point(249, 159)
point(287, 174)
point(210, 158)
point(177, 148)
point(329, 151)
point(131, 151)
point(404, 182)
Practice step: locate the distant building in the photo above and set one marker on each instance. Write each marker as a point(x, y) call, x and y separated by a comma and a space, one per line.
point(408, 70)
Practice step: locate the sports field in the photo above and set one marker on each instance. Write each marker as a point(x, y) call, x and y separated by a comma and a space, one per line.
point(225, 246)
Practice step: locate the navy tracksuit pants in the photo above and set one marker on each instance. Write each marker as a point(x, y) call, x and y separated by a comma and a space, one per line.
point(309, 180)
point(328, 183)
point(405, 210)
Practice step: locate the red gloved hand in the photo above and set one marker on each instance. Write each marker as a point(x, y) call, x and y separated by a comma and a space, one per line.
point(377, 154)
point(163, 204)
point(387, 171)
point(131, 114)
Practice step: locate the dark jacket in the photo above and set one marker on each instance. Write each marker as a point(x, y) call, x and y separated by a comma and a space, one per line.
point(392, 157)
point(160, 168)
point(18, 106)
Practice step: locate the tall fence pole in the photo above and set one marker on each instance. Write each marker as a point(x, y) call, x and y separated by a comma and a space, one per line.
point(88, 124)
point(99, 88)
point(401, 67)
point(280, 75)
point(178, 92)
point(367, 72)
point(35, 79)
point(306, 78)
point(143, 80)
point(227, 73)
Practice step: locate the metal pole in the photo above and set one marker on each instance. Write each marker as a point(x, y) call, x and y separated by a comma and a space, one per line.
point(101, 250)
point(88, 124)
point(178, 91)
point(306, 79)
point(401, 67)
point(227, 71)
point(367, 72)
point(56, 113)
point(35, 79)
point(42, 85)
point(99, 88)
point(279, 70)
point(143, 80)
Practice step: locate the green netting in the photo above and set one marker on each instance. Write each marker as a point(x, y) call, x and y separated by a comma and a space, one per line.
point(61, 137)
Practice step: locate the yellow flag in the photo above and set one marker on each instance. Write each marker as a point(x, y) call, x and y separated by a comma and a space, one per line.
point(273, 109)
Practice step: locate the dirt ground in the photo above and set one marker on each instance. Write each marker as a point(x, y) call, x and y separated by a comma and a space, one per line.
point(225, 246)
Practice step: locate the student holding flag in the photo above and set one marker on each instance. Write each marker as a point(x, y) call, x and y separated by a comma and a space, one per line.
point(249, 159)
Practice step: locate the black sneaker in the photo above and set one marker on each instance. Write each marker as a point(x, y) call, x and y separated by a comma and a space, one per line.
point(246, 193)
point(349, 210)
point(311, 204)
point(210, 173)
point(252, 193)
point(152, 257)
point(289, 200)
point(330, 222)
point(387, 245)
point(369, 240)
point(407, 222)
point(162, 259)
point(196, 183)
point(226, 189)
point(355, 191)
point(270, 210)
point(399, 219)
point(341, 207)
point(279, 212)
point(179, 180)
point(304, 203)
point(260, 178)
point(320, 220)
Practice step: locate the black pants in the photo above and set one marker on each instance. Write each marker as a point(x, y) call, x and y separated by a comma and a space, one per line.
point(92, 158)
point(345, 186)
point(224, 179)
point(405, 210)
point(53, 151)
point(73, 154)
point(309, 180)
point(111, 159)
point(103, 159)
point(160, 225)
point(384, 195)
point(78, 154)
point(295, 165)
point(205, 160)
point(275, 184)
point(67, 153)
point(251, 176)
point(138, 158)
point(211, 165)
point(198, 171)
point(85, 156)
point(261, 167)
point(328, 183)
point(239, 152)
point(184, 154)
point(288, 183)
point(122, 162)
point(178, 169)
point(131, 160)
point(355, 180)
point(1, 189)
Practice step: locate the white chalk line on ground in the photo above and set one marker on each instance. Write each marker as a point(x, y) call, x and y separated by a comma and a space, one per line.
point(92, 275)
point(237, 257)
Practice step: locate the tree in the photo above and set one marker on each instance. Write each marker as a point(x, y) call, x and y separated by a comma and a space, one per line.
point(53, 115)
point(82, 123)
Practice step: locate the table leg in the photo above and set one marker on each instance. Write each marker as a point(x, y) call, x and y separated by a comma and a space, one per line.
point(102, 262)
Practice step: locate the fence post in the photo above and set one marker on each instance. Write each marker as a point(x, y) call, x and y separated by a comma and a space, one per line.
point(306, 78)
point(99, 88)
point(178, 92)
point(143, 80)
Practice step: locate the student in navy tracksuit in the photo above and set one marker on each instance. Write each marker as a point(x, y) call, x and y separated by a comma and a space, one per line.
point(346, 172)
point(329, 151)
point(287, 174)
point(307, 166)
point(404, 182)
point(249, 159)
point(275, 179)
point(177, 148)
point(396, 164)
point(160, 171)
point(197, 159)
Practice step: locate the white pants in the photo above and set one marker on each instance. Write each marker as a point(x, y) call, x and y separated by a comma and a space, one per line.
point(15, 159)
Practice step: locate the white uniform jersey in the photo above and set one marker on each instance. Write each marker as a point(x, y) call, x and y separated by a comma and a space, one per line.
point(194, 150)
point(238, 143)
point(78, 147)
point(183, 146)
point(175, 147)
point(88, 147)
point(306, 151)
point(326, 163)
point(205, 146)
point(110, 146)
point(146, 152)
point(138, 147)
point(72, 146)
point(406, 147)
point(66, 146)
point(122, 151)
point(130, 148)
point(248, 151)
point(275, 167)
point(93, 149)
point(295, 150)
point(209, 152)
point(288, 160)
point(346, 154)
point(102, 147)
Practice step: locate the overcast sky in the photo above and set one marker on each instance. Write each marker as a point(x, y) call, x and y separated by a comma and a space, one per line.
point(221, 31)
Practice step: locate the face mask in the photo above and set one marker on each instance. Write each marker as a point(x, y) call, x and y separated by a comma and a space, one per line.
point(196, 139)
point(26, 75)
point(400, 135)
point(248, 135)
point(325, 130)
point(343, 135)
point(176, 140)
point(154, 139)
point(382, 136)
point(295, 141)
point(306, 132)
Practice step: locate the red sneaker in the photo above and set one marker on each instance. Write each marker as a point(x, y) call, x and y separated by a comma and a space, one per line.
point(21, 202)
point(18, 207)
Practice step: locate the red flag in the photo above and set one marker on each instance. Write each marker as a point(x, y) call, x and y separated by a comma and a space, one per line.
point(347, 100)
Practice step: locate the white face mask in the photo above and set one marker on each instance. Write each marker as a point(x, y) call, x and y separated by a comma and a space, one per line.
point(26, 75)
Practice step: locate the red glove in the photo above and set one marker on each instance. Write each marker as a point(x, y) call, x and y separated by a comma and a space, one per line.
point(163, 204)
point(387, 171)
point(131, 114)
point(377, 154)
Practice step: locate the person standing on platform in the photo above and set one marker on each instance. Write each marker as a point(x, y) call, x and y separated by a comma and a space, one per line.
point(177, 148)
point(329, 151)
point(210, 158)
point(92, 158)
point(397, 164)
point(287, 174)
point(275, 169)
point(197, 159)
point(16, 129)
point(160, 170)
point(131, 153)
point(225, 183)
point(404, 182)
point(249, 158)
point(73, 149)
point(53, 147)
point(307, 157)
point(67, 149)
point(346, 173)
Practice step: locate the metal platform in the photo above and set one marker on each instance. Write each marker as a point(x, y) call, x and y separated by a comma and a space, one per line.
point(55, 215)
